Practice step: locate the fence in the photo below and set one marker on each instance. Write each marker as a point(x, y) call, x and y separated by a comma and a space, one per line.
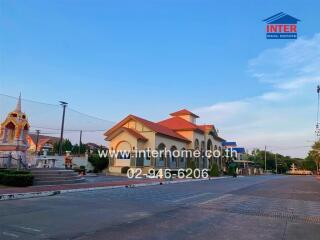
point(10, 161)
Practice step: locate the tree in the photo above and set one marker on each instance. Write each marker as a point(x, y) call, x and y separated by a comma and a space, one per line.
point(214, 170)
point(99, 163)
point(309, 164)
point(75, 149)
point(192, 165)
point(283, 162)
point(66, 146)
point(314, 154)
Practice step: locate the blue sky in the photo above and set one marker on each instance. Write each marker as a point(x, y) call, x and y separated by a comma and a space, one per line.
point(150, 58)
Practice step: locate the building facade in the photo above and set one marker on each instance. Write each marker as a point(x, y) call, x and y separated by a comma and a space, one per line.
point(179, 132)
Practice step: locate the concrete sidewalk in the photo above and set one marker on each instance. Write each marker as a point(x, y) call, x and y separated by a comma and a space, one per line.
point(11, 193)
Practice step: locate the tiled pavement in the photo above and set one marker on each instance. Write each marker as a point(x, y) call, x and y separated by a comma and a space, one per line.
point(270, 207)
point(9, 190)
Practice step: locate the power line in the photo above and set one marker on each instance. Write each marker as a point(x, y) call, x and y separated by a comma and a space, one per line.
point(29, 100)
point(71, 130)
point(58, 107)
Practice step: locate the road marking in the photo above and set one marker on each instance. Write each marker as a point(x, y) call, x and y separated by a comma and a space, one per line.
point(215, 199)
point(193, 196)
point(10, 234)
point(138, 215)
point(28, 228)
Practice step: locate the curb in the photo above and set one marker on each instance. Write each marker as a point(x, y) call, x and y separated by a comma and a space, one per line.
point(13, 196)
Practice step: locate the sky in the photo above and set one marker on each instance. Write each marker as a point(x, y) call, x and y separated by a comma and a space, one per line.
point(111, 58)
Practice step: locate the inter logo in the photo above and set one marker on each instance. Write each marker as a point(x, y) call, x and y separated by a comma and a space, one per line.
point(281, 26)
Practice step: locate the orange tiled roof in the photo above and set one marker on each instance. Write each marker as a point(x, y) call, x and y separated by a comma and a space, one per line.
point(43, 138)
point(183, 112)
point(158, 128)
point(206, 127)
point(177, 123)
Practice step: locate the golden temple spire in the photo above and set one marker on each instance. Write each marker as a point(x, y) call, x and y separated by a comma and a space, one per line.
point(18, 107)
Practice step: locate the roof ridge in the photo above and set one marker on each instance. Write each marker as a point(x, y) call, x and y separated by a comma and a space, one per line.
point(158, 128)
point(184, 112)
point(176, 117)
point(179, 121)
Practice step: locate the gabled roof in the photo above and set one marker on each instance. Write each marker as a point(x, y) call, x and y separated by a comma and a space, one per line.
point(281, 18)
point(135, 133)
point(43, 138)
point(183, 112)
point(177, 123)
point(93, 145)
point(152, 125)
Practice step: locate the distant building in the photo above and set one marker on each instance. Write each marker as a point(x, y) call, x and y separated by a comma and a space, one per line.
point(179, 132)
point(232, 146)
point(93, 147)
point(44, 142)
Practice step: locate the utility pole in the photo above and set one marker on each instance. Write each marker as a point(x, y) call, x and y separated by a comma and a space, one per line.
point(317, 123)
point(64, 105)
point(37, 140)
point(265, 158)
point(80, 142)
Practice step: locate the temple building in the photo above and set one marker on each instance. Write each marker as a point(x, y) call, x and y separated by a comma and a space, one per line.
point(179, 132)
point(13, 134)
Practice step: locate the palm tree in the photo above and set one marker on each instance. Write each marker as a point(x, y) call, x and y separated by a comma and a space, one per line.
point(315, 154)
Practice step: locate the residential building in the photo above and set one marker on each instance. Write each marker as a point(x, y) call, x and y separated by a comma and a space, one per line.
point(41, 142)
point(238, 153)
point(179, 132)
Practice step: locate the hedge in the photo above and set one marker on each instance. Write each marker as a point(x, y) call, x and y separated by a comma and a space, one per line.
point(16, 178)
point(9, 171)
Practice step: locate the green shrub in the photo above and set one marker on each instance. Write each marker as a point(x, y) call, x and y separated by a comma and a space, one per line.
point(99, 163)
point(192, 165)
point(214, 170)
point(16, 179)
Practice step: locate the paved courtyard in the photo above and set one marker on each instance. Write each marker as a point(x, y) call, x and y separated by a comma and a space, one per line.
point(263, 207)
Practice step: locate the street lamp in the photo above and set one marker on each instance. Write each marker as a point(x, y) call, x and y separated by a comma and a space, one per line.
point(64, 105)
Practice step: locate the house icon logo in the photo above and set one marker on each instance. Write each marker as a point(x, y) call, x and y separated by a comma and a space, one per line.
point(281, 26)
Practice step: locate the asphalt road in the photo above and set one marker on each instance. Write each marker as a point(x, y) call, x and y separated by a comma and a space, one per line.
point(264, 207)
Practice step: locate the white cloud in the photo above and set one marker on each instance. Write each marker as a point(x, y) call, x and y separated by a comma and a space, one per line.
point(284, 116)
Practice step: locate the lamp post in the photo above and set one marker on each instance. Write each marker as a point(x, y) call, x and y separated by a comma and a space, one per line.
point(64, 105)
